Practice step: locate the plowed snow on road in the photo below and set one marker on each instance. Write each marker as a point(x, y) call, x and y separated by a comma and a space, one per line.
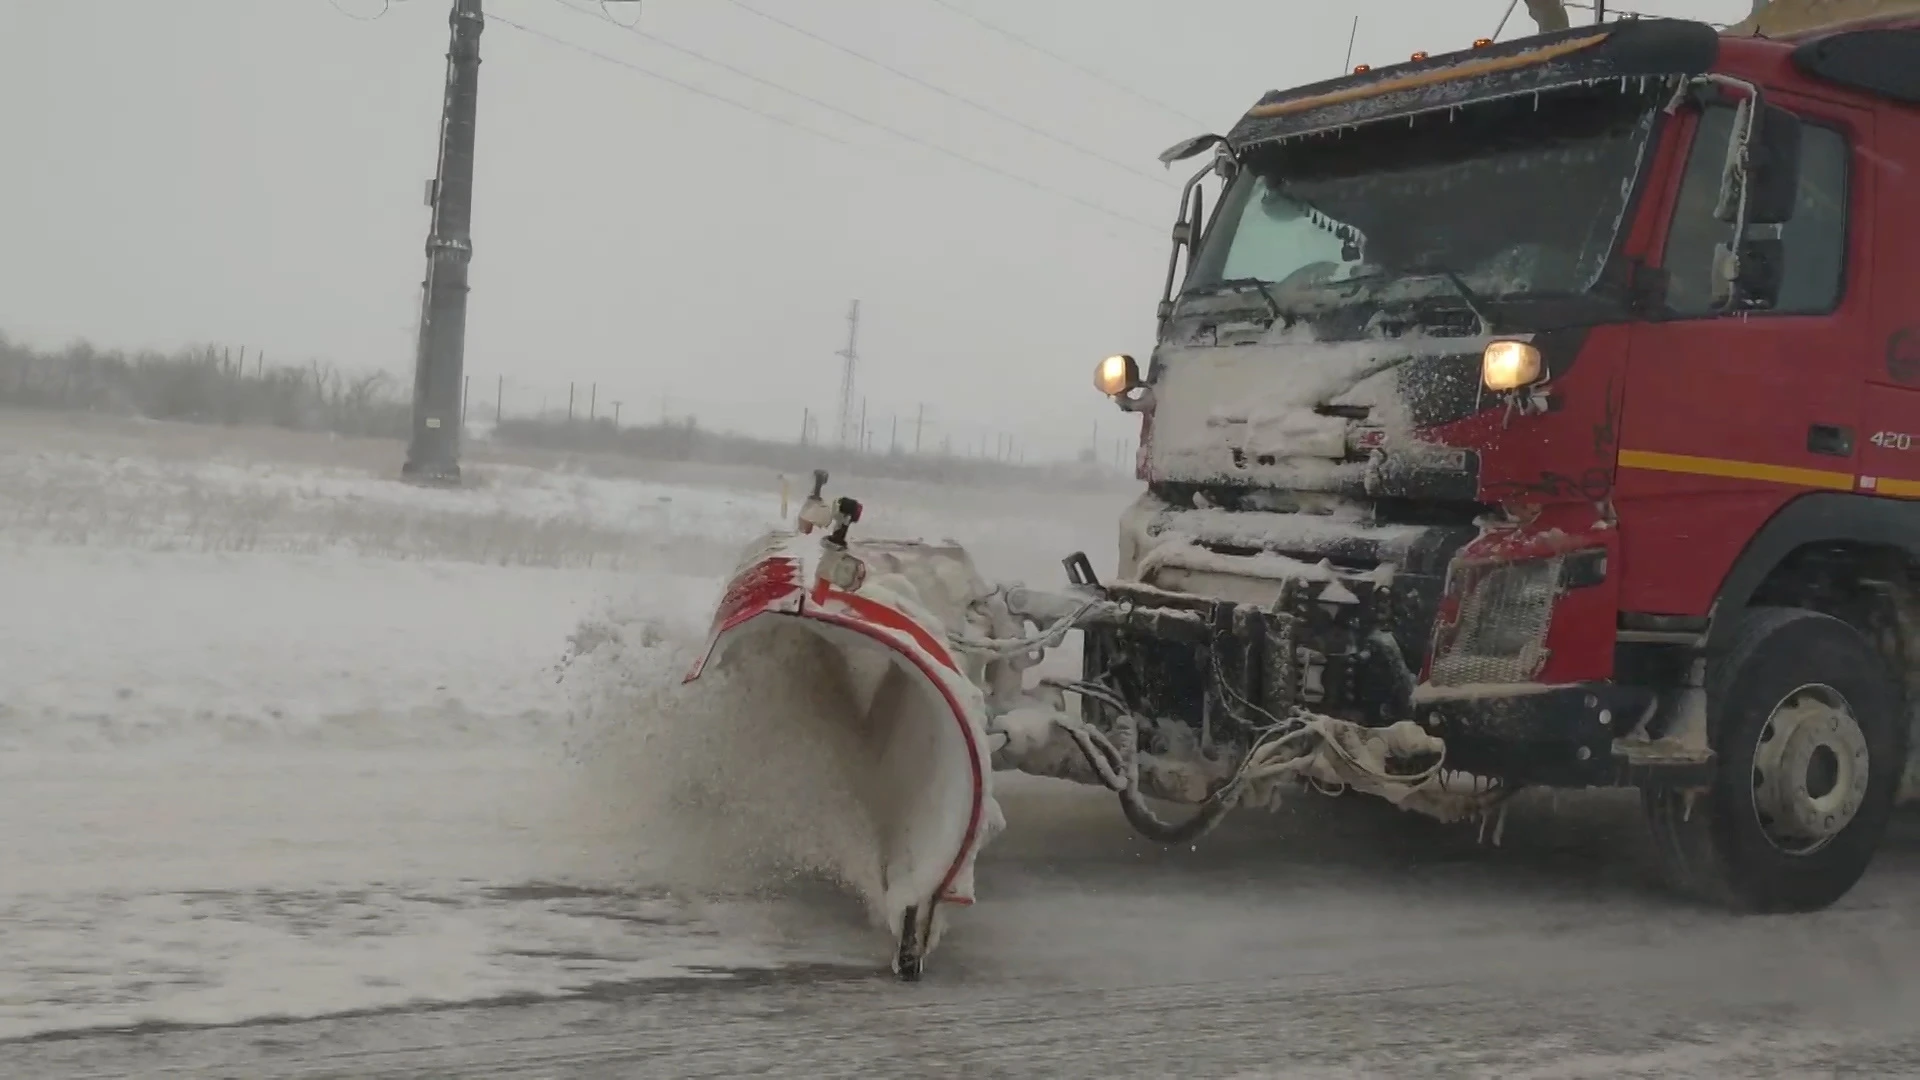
point(306, 772)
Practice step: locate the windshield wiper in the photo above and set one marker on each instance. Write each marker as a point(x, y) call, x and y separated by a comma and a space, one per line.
point(1241, 285)
point(1475, 303)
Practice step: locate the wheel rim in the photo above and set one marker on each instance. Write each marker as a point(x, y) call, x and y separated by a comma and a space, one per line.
point(1810, 770)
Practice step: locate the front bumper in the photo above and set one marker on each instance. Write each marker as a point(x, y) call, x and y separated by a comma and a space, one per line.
point(1223, 669)
point(1559, 736)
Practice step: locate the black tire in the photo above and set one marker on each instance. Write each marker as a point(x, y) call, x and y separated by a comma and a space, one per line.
point(1718, 846)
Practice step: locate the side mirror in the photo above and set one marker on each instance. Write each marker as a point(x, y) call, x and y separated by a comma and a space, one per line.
point(1749, 280)
point(1772, 167)
point(1187, 148)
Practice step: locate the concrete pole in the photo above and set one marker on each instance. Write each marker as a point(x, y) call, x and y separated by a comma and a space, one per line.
point(433, 455)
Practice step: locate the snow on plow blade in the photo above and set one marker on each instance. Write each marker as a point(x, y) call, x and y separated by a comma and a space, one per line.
point(860, 625)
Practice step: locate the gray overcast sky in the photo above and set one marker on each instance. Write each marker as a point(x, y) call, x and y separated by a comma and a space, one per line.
point(251, 171)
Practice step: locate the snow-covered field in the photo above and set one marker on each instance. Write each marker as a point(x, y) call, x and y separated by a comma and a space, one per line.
point(281, 736)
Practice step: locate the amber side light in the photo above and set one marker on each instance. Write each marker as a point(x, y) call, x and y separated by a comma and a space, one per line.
point(1362, 69)
point(1481, 43)
point(1421, 55)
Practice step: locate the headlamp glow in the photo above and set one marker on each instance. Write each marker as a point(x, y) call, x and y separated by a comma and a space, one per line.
point(1510, 365)
point(1116, 375)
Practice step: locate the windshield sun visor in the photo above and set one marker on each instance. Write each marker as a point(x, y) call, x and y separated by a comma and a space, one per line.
point(1646, 48)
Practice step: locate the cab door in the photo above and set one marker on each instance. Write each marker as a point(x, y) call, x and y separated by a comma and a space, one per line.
point(1890, 454)
point(1729, 417)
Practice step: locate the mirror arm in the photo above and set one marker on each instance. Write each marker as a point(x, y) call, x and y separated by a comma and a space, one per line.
point(1185, 234)
point(1739, 163)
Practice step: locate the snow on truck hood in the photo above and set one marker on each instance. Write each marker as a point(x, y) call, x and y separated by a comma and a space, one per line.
point(1255, 413)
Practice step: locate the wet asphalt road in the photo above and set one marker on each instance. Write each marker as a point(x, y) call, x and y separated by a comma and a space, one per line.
point(1339, 939)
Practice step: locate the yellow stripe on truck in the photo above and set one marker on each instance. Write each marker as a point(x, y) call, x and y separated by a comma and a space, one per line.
point(1905, 489)
point(1653, 461)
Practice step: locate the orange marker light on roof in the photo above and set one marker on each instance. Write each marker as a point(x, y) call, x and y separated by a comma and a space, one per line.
point(1362, 69)
point(1421, 55)
point(1481, 43)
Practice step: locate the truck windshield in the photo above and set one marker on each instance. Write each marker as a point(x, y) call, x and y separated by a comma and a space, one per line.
point(1517, 197)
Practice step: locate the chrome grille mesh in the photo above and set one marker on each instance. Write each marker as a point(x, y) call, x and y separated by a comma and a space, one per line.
point(1501, 634)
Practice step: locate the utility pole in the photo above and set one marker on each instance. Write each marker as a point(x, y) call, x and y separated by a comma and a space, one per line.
point(863, 423)
point(499, 398)
point(616, 416)
point(919, 422)
point(847, 371)
point(433, 455)
point(893, 440)
point(593, 403)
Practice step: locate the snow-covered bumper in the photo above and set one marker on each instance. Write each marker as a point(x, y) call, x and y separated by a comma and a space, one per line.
point(1498, 640)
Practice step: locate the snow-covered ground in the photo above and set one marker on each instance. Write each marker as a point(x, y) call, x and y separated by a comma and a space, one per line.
point(282, 736)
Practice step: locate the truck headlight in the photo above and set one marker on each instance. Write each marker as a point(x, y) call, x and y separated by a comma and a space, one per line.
point(1509, 365)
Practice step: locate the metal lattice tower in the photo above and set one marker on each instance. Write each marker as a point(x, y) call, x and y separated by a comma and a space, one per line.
point(851, 355)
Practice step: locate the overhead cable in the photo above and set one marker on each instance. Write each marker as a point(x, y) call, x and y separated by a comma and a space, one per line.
point(1057, 58)
point(670, 80)
point(888, 129)
point(988, 110)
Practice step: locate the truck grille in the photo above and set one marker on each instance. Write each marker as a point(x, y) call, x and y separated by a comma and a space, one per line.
point(1500, 634)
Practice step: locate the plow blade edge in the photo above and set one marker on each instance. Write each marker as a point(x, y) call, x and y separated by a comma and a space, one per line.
point(875, 660)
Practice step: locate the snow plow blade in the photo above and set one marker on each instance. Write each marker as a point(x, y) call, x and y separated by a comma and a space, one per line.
point(919, 670)
point(855, 631)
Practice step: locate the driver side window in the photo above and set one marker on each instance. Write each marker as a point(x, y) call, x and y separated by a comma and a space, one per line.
point(1815, 240)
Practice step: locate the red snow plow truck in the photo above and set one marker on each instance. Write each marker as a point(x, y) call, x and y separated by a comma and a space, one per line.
point(1545, 413)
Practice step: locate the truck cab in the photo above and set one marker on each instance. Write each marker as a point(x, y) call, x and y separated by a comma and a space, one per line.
point(1561, 396)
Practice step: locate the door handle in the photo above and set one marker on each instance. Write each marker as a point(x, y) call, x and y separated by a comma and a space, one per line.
point(1830, 439)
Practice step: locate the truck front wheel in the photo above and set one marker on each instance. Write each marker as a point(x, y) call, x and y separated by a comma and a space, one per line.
point(1806, 726)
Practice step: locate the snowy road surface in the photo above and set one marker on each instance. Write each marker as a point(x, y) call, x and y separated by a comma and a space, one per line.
point(297, 779)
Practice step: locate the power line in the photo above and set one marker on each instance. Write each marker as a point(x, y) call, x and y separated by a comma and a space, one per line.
point(1131, 170)
point(385, 6)
point(1057, 58)
point(608, 12)
point(651, 74)
point(888, 129)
